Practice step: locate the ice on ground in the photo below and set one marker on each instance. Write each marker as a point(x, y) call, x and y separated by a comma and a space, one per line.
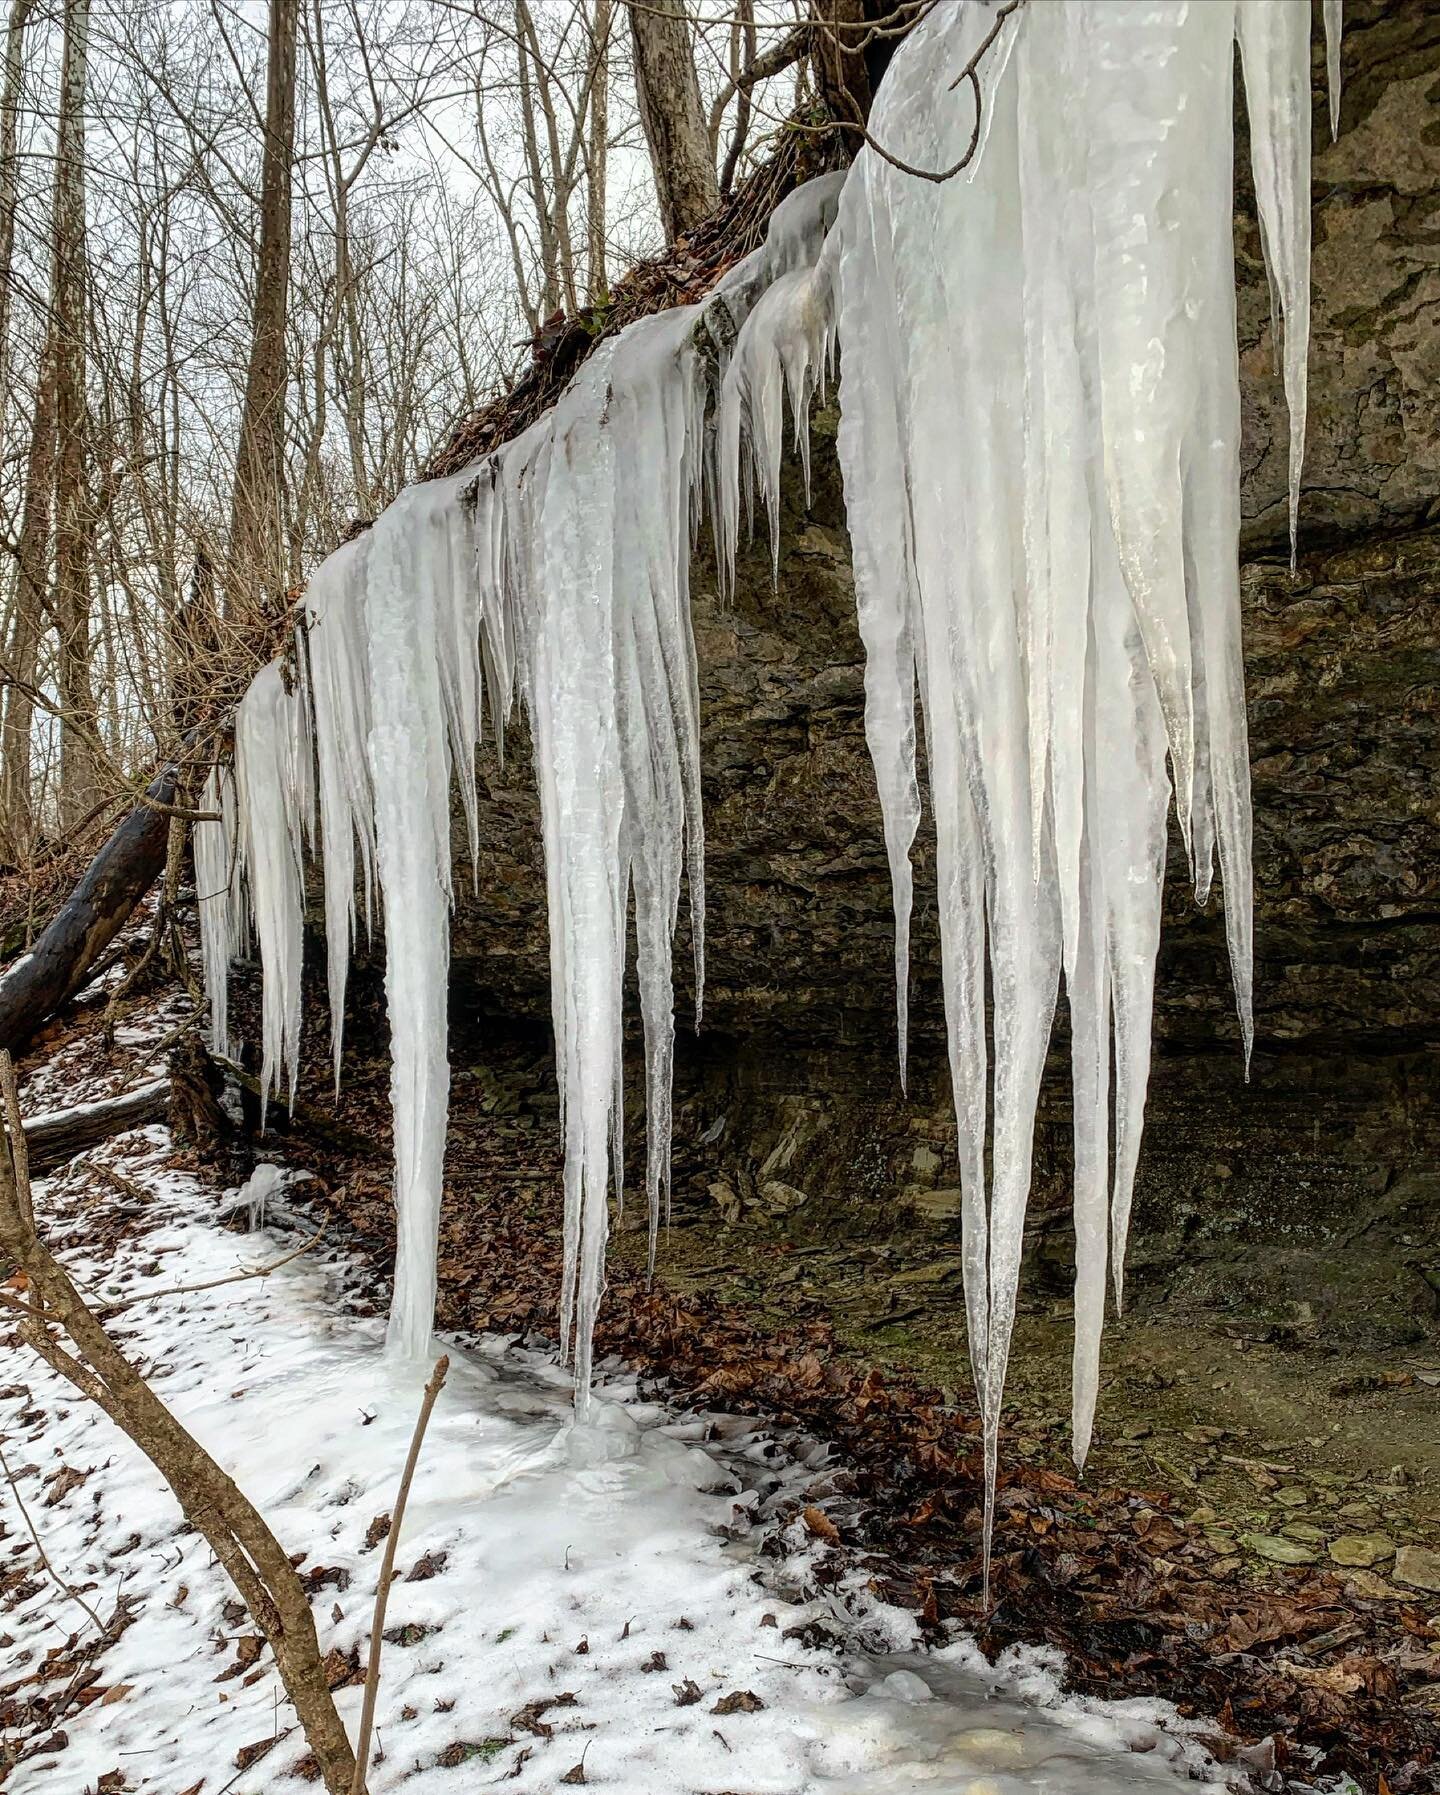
point(544, 1565)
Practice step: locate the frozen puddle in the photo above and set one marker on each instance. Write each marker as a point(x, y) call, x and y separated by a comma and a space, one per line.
point(948, 1723)
point(564, 1594)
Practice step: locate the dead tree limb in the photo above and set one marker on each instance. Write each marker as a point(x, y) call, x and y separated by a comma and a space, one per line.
point(387, 1570)
point(90, 918)
point(59, 1135)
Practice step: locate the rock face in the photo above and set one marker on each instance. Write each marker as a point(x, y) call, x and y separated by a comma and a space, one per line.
point(793, 1083)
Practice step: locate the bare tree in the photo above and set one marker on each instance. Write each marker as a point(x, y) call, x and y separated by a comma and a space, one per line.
point(79, 744)
point(668, 91)
point(598, 152)
point(257, 537)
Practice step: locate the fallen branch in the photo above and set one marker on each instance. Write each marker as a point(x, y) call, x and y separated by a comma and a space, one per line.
point(387, 1572)
point(15, 1128)
point(92, 916)
point(58, 1135)
point(65, 1588)
point(236, 1277)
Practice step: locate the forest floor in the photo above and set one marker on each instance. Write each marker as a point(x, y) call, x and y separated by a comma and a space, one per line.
point(1255, 1536)
point(658, 1601)
point(1270, 1573)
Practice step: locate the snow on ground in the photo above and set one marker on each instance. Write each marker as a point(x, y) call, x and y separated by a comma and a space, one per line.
point(564, 1597)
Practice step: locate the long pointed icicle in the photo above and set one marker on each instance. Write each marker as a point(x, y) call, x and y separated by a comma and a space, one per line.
point(274, 790)
point(1334, 29)
point(1275, 56)
point(557, 571)
point(220, 898)
point(1074, 601)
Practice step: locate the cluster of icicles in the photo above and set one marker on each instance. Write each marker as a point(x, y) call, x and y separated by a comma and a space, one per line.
point(1040, 432)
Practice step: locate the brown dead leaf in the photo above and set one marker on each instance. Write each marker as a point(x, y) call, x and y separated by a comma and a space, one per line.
point(739, 1701)
point(819, 1523)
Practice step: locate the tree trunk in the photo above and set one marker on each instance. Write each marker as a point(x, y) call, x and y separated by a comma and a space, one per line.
point(79, 745)
point(54, 1138)
point(20, 11)
point(597, 155)
point(89, 919)
point(32, 565)
point(257, 532)
point(848, 61)
point(673, 117)
point(210, 1499)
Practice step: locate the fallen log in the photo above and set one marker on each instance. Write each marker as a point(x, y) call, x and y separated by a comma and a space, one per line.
point(60, 962)
point(56, 1136)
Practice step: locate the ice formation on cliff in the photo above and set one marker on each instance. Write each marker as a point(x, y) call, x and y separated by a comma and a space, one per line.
point(1040, 442)
point(1040, 438)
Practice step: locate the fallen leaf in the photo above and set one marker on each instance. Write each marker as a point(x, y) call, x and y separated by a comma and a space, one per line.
point(739, 1701)
point(819, 1523)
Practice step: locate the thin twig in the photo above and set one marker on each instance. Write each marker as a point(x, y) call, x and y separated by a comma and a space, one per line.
point(969, 73)
point(387, 1571)
point(50, 1570)
point(238, 1277)
point(183, 812)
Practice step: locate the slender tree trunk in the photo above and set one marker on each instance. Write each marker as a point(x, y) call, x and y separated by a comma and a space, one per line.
point(544, 223)
point(849, 55)
point(598, 154)
point(671, 112)
point(209, 1497)
point(257, 531)
point(79, 757)
point(32, 566)
point(20, 11)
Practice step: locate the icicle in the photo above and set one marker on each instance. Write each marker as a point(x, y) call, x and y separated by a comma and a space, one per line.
point(338, 672)
point(1275, 56)
point(219, 898)
point(885, 598)
point(405, 570)
point(1058, 577)
point(274, 789)
point(1040, 445)
point(1334, 30)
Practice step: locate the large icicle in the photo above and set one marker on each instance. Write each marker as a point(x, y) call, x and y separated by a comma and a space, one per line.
point(219, 897)
point(1040, 443)
point(559, 570)
point(275, 792)
point(338, 668)
point(407, 587)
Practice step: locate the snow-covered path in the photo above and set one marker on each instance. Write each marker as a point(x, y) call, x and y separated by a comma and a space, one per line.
point(564, 1598)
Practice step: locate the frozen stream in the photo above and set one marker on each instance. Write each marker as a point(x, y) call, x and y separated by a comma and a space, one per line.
point(542, 1568)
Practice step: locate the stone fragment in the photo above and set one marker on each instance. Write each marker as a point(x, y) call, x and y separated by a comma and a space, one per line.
point(1277, 1549)
point(936, 1205)
point(1362, 1549)
point(1417, 1567)
point(1367, 1587)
